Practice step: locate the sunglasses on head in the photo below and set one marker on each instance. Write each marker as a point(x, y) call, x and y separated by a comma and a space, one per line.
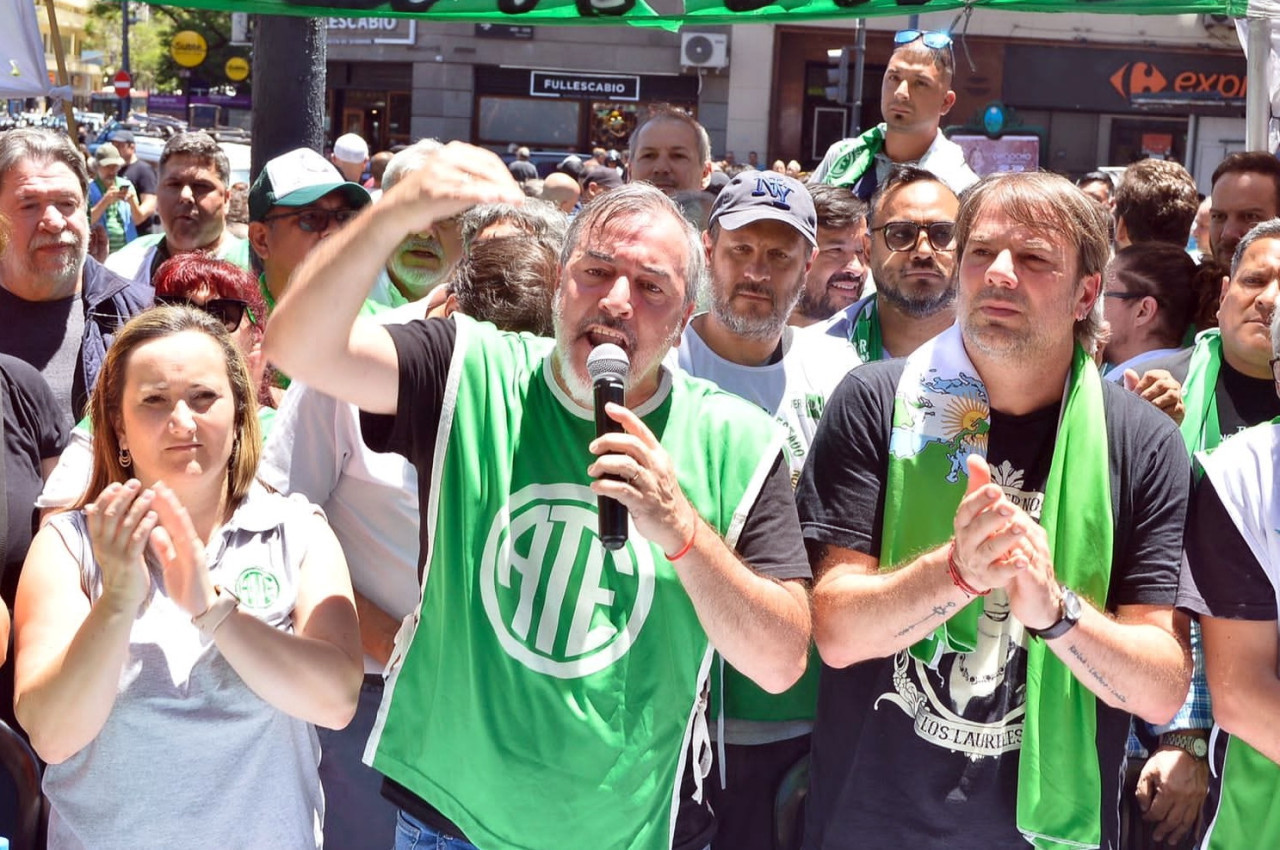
point(316, 220)
point(903, 235)
point(932, 39)
point(229, 311)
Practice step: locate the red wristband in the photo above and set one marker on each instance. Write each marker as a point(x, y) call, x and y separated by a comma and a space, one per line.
point(685, 549)
point(954, 571)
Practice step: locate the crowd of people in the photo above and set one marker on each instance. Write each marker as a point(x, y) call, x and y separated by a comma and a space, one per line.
point(950, 501)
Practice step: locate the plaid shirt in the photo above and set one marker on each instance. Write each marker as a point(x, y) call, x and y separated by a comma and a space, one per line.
point(1196, 712)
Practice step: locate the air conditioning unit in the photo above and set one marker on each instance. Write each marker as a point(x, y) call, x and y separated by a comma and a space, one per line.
point(704, 49)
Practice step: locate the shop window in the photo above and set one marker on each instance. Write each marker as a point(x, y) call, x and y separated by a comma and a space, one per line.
point(529, 121)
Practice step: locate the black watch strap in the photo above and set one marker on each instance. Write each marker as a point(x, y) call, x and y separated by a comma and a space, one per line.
point(1066, 622)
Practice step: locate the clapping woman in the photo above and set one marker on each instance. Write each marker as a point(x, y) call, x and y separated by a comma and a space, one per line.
point(180, 631)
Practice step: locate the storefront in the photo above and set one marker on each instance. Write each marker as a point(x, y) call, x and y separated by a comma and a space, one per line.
point(1090, 105)
point(371, 99)
point(569, 110)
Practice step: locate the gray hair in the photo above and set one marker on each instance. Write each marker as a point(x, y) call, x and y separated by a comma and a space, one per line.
point(1269, 229)
point(198, 145)
point(640, 199)
point(535, 217)
point(410, 159)
point(31, 143)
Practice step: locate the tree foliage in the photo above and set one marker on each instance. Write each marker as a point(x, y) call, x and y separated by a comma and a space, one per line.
point(149, 36)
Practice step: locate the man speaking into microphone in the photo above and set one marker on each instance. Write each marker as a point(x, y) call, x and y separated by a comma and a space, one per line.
point(545, 694)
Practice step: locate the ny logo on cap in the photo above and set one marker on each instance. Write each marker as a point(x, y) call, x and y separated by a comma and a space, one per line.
point(774, 189)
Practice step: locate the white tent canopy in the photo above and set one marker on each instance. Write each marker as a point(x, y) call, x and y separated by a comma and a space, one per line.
point(22, 70)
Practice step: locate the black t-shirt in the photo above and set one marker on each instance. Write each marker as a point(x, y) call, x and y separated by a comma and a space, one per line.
point(1242, 401)
point(143, 178)
point(770, 540)
point(35, 429)
point(907, 756)
point(1221, 577)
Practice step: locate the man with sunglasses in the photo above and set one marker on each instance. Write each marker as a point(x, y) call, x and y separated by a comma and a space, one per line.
point(912, 232)
point(297, 200)
point(915, 94)
point(995, 535)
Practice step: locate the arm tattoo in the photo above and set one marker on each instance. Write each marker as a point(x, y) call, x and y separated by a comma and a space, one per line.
point(1097, 675)
point(938, 611)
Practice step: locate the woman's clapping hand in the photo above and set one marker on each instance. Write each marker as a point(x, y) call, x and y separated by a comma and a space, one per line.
point(121, 521)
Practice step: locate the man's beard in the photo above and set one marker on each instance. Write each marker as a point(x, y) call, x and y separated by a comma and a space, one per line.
point(418, 280)
point(823, 305)
point(1016, 344)
point(66, 269)
point(755, 327)
point(918, 306)
point(577, 383)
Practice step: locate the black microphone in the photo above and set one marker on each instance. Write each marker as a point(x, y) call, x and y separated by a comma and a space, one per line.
point(608, 365)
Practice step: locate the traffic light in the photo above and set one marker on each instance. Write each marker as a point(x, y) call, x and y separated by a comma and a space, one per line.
point(837, 88)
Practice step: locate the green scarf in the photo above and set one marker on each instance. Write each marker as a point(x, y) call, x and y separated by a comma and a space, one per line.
point(941, 415)
point(855, 156)
point(864, 334)
point(1200, 429)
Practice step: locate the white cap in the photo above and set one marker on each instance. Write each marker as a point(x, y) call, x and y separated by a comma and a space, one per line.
point(350, 148)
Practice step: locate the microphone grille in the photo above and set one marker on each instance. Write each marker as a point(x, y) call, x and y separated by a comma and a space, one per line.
point(608, 360)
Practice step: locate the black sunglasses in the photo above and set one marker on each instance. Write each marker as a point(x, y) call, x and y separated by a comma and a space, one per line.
point(229, 311)
point(903, 235)
point(316, 220)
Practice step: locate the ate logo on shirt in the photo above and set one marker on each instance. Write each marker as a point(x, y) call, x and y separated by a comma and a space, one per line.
point(559, 602)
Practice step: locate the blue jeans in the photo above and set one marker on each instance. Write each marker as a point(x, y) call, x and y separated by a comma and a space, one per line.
point(413, 834)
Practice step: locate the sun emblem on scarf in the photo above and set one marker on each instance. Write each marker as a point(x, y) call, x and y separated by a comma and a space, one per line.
point(966, 419)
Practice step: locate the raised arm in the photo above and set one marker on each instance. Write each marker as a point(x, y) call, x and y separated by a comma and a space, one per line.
point(314, 335)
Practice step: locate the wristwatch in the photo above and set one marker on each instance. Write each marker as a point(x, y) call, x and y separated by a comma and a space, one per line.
point(1193, 744)
point(1071, 607)
point(224, 604)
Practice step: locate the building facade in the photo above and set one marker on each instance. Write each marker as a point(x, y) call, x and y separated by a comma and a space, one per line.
point(72, 17)
point(1083, 90)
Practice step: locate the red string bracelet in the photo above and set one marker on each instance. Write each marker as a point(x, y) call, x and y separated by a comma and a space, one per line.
point(685, 550)
point(954, 571)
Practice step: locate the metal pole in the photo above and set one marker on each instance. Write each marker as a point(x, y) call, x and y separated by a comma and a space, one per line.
point(858, 68)
point(126, 101)
point(64, 78)
point(288, 85)
point(1258, 96)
